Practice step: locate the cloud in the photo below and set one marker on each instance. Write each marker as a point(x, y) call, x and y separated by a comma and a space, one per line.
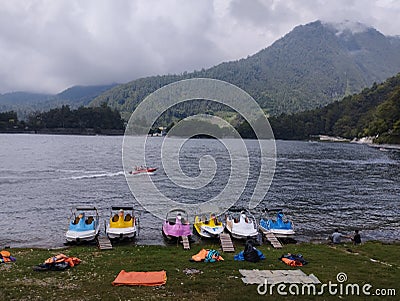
point(47, 46)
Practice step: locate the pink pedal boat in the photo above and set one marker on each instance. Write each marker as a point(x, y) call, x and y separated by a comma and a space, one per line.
point(176, 224)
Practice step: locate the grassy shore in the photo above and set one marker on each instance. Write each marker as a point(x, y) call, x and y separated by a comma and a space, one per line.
point(91, 280)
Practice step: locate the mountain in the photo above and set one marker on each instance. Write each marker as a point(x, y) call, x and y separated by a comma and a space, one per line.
point(82, 95)
point(21, 98)
point(375, 112)
point(24, 103)
point(312, 66)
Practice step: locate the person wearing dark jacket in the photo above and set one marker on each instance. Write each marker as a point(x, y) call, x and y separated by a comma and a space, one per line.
point(356, 238)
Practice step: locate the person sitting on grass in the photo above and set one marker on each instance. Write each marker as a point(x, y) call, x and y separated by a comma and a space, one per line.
point(337, 237)
point(356, 238)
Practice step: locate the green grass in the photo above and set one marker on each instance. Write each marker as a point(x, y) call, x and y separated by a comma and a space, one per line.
point(91, 280)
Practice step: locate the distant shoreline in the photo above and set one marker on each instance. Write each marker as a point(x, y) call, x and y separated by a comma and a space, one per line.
point(113, 132)
point(68, 131)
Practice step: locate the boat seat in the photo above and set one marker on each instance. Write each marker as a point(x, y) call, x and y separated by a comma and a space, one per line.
point(89, 220)
point(76, 220)
point(115, 218)
point(128, 217)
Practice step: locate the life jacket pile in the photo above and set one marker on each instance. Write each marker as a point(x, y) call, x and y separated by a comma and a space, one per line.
point(293, 260)
point(59, 262)
point(5, 257)
point(207, 256)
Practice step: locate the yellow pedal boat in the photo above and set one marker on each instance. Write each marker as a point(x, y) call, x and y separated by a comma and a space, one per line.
point(122, 224)
point(209, 228)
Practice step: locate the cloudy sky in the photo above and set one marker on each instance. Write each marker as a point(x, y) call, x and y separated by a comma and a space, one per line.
point(50, 45)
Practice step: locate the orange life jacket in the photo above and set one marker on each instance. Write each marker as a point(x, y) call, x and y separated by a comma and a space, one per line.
point(291, 262)
point(72, 261)
point(6, 256)
point(200, 256)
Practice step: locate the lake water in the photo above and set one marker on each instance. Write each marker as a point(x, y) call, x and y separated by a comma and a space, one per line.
point(320, 186)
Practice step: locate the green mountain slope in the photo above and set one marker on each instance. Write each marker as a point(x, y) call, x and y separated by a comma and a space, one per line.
point(313, 65)
point(373, 112)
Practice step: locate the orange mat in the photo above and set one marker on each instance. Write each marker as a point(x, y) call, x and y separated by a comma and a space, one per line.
point(141, 278)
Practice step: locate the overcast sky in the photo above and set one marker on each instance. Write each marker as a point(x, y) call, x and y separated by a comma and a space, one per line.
point(50, 45)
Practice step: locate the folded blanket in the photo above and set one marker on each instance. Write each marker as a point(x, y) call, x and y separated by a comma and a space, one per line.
point(141, 278)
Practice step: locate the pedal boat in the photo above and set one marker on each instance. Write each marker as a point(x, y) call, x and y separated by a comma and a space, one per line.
point(279, 227)
point(243, 227)
point(84, 225)
point(208, 228)
point(122, 223)
point(176, 224)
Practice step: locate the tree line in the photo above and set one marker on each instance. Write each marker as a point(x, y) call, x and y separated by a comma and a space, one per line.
point(102, 117)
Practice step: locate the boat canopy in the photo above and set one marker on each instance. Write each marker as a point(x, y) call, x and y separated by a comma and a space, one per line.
point(122, 207)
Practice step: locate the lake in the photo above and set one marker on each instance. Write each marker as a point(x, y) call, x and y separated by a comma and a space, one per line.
point(320, 186)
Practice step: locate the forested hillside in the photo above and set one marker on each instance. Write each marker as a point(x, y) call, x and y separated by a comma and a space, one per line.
point(313, 65)
point(373, 112)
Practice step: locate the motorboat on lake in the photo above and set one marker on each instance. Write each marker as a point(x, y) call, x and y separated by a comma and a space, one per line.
point(208, 228)
point(122, 223)
point(84, 225)
point(143, 170)
point(243, 226)
point(280, 226)
point(176, 225)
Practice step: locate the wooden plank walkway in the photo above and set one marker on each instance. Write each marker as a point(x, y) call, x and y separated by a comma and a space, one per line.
point(185, 242)
point(273, 240)
point(104, 243)
point(226, 242)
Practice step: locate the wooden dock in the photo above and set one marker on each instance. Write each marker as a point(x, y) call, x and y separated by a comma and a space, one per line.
point(226, 242)
point(185, 242)
point(104, 243)
point(273, 240)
